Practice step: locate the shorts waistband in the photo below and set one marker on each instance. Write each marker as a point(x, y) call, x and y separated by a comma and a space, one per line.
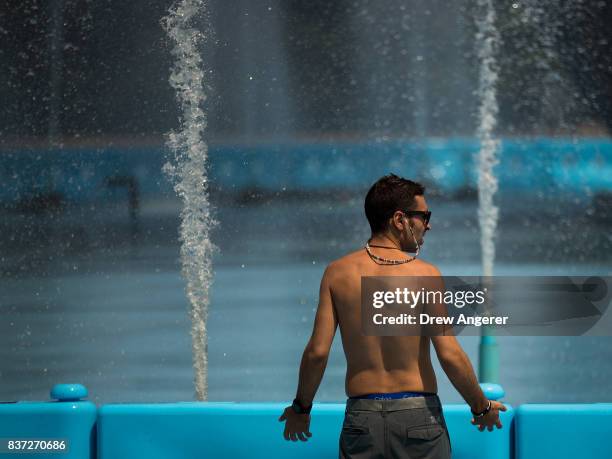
point(391, 395)
point(364, 404)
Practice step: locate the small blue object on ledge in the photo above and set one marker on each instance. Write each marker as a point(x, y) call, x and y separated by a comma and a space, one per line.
point(492, 391)
point(68, 392)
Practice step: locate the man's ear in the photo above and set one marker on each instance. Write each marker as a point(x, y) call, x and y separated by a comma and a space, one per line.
point(400, 219)
point(393, 221)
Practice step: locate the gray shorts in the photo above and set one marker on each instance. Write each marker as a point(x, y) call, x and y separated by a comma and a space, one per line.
point(403, 428)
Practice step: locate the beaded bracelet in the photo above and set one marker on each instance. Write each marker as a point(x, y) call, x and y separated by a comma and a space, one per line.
point(481, 414)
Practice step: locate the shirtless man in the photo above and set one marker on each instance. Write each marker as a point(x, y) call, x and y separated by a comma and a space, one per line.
point(393, 409)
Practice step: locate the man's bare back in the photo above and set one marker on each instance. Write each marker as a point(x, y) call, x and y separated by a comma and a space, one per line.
point(379, 364)
point(390, 365)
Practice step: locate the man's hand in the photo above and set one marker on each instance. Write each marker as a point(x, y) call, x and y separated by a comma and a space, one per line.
point(491, 418)
point(297, 425)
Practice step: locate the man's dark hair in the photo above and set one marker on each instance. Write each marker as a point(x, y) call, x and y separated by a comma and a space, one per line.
point(388, 194)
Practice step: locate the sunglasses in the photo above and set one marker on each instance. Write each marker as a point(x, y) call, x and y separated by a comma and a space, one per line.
point(424, 214)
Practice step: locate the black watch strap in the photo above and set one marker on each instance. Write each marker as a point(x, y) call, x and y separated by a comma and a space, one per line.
point(299, 408)
point(482, 413)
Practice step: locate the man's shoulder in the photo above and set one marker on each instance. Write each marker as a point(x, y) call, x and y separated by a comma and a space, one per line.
point(343, 264)
point(347, 260)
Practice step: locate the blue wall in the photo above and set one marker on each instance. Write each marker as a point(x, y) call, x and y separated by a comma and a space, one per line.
point(449, 165)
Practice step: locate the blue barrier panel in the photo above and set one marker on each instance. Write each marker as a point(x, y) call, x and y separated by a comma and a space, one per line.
point(234, 430)
point(564, 431)
point(212, 430)
point(63, 429)
point(468, 442)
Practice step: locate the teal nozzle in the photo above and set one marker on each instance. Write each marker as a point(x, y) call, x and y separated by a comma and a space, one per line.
point(68, 392)
point(492, 391)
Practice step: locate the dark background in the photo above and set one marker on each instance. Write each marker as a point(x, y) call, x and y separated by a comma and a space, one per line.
point(291, 68)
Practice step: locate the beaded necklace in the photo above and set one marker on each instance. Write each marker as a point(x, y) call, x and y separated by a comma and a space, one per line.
point(386, 261)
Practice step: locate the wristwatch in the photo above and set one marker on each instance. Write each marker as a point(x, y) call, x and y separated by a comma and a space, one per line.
point(482, 413)
point(299, 408)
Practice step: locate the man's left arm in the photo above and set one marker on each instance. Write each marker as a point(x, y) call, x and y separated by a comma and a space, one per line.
point(314, 361)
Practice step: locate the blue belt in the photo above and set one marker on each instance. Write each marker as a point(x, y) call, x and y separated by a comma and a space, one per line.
point(391, 395)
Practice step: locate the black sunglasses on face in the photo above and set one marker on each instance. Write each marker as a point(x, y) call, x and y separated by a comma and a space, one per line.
point(424, 214)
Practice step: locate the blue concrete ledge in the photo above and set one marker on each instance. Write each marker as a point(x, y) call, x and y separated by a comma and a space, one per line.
point(201, 430)
point(564, 431)
point(236, 430)
point(74, 422)
point(212, 430)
